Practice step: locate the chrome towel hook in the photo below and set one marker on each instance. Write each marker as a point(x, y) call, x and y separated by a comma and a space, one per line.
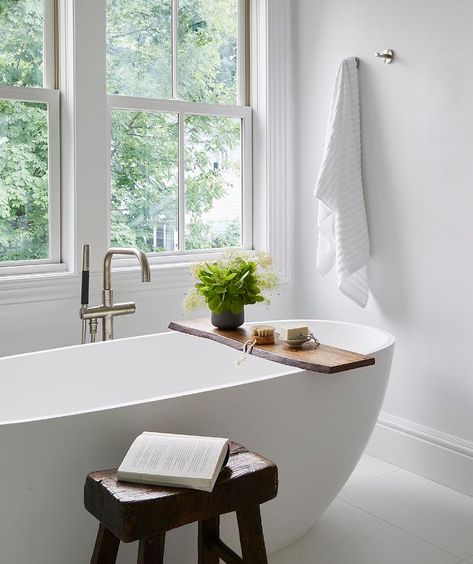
point(386, 56)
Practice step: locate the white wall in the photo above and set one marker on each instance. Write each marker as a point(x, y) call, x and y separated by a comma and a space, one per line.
point(27, 324)
point(418, 169)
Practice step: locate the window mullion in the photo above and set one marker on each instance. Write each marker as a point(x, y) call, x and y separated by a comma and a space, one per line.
point(247, 182)
point(89, 117)
point(49, 44)
point(197, 108)
point(54, 173)
point(242, 53)
point(182, 194)
point(175, 24)
point(27, 94)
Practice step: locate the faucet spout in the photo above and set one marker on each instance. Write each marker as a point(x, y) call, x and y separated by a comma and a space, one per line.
point(107, 264)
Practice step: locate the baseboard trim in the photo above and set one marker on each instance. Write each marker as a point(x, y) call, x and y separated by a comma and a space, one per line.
point(443, 458)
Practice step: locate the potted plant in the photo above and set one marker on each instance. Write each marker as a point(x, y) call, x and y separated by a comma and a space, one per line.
point(229, 283)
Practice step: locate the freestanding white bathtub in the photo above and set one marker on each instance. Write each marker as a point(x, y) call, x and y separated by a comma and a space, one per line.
point(66, 412)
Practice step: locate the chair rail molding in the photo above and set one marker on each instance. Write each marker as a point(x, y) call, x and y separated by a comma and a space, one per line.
point(272, 84)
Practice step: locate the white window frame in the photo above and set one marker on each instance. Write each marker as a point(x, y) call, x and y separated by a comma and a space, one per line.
point(183, 109)
point(48, 95)
point(272, 96)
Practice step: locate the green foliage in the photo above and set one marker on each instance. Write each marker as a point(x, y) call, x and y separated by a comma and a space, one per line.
point(145, 176)
point(21, 42)
point(232, 282)
point(200, 235)
point(24, 181)
point(139, 48)
point(207, 51)
point(229, 288)
point(208, 139)
point(23, 136)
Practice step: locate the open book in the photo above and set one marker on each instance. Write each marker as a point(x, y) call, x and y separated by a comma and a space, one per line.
point(181, 461)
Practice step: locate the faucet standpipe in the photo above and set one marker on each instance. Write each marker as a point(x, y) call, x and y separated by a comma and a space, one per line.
point(93, 324)
point(108, 310)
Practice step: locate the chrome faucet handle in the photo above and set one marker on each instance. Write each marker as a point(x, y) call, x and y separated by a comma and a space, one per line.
point(102, 311)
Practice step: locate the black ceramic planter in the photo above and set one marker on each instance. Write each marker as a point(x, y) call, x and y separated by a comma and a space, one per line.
point(228, 320)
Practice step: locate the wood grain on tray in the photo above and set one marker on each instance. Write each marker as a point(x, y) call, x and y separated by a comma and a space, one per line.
point(322, 358)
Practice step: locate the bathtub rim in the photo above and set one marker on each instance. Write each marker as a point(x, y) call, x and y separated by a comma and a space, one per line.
point(390, 339)
point(285, 371)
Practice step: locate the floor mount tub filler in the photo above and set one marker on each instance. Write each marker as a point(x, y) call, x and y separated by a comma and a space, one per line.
point(58, 422)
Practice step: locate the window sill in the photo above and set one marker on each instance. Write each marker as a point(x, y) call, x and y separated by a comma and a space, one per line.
point(30, 269)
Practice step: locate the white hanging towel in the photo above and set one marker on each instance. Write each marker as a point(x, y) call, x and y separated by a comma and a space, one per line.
point(342, 224)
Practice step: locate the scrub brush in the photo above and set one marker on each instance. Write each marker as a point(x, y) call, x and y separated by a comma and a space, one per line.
point(263, 334)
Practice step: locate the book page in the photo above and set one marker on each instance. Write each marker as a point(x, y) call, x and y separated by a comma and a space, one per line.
point(173, 455)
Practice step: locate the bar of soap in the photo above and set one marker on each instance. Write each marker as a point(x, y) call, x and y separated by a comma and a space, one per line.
point(293, 333)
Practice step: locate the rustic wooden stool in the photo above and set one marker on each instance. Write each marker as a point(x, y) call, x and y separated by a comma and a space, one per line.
point(136, 512)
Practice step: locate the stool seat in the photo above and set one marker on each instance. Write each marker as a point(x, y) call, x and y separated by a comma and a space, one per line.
point(132, 512)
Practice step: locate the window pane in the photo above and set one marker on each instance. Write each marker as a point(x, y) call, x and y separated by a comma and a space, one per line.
point(213, 182)
point(207, 57)
point(21, 42)
point(145, 149)
point(139, 48)
point(23, 181)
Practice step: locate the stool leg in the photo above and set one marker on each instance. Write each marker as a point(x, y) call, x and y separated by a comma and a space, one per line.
point(151, 551)
point(106, 547)
point(251, 535)
point(208, 530)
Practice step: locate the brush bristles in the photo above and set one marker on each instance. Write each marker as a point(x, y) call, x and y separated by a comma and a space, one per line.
point(262, 331)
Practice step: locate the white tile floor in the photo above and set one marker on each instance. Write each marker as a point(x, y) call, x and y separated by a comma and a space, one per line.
point(385, 515)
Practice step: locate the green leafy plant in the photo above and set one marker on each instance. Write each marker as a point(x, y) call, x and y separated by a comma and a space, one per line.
point(230, 283)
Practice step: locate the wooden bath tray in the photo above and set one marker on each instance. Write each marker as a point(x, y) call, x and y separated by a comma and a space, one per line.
point(324, 359)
